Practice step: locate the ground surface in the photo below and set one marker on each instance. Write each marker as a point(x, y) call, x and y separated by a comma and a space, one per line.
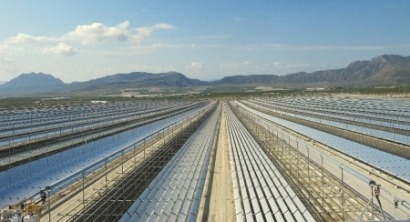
point(221, 197)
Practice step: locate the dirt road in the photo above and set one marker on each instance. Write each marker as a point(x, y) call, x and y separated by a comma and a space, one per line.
point(221, 198)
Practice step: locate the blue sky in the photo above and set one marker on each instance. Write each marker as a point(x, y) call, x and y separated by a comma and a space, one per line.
point(81, 40)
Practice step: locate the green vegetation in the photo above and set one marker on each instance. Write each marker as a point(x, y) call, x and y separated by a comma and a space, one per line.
point(191, 93)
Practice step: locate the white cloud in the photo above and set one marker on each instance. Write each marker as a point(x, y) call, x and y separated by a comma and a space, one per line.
point(61, 49)
point(24, 38)
point(144, 32)
point(24, 43)
point(195, 66)
point(91, 33)
point(85, 34)
point(3, 49)
point(246, 63)
point(98, 32)
point(164, 26)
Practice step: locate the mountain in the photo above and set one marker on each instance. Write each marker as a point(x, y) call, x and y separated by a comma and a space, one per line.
point(385, 70)
point(137, 80)
point(43, 84)
point(248, 79)
point(30, 83)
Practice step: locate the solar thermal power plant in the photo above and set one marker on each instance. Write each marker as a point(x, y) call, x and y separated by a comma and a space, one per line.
point(279, 158)
point(175, 193)
point(260, 191)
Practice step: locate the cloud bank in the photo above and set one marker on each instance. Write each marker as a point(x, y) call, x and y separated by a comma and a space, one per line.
point(94, 33)
point(61, 49)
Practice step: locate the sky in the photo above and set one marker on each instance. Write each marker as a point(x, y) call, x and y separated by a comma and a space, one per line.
point(77, 40)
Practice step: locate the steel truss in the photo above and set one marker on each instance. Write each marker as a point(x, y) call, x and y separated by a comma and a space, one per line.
point(106, 194)
point(326, 196)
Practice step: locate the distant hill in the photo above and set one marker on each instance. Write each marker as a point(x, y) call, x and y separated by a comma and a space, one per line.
point(247, 79)
point(138, 79)
point(40, 84)
point(27, 84)
point(385, 70)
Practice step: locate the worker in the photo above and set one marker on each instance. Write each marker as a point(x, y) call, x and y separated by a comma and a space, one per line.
point(43, 196)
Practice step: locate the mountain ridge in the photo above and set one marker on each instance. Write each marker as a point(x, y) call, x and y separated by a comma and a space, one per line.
point(31, 83)
point(384, 70)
